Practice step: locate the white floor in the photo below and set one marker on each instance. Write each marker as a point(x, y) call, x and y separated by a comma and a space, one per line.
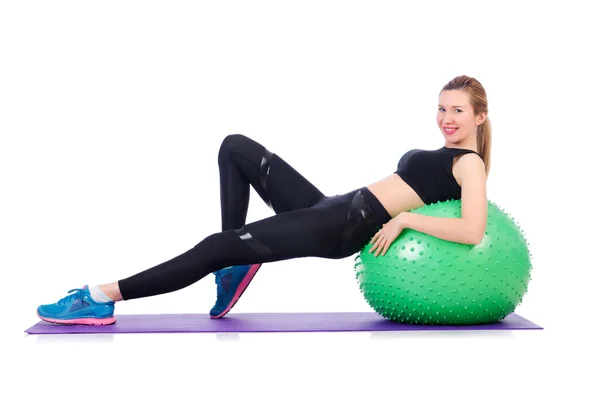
point(561, 358)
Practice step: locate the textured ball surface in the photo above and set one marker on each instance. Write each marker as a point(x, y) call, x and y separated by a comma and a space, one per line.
point(426, 280)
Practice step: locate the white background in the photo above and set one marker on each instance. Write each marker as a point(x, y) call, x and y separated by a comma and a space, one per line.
point(112, 113)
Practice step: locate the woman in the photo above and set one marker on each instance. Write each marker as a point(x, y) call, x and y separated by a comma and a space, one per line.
point(307, 223)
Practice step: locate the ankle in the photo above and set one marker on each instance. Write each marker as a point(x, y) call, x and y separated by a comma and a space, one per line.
point(112, 291)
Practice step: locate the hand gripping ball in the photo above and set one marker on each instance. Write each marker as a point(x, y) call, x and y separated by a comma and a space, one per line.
point(426, 280)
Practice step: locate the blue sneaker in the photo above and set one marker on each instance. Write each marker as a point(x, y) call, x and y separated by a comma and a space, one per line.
point(78, 308)
point(231, 284)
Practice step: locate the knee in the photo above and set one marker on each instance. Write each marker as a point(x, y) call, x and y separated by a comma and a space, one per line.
point(209, 241)
point(231, 143)
point(212, 250)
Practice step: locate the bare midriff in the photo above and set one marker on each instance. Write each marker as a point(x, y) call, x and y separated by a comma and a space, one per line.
point(395, 195)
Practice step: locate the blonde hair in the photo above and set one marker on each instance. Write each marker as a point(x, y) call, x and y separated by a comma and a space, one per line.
point(478, 99)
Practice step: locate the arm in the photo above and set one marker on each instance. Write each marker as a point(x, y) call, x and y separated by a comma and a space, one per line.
point(470, 228)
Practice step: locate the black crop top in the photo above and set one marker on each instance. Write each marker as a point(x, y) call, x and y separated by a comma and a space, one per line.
point(429, 173)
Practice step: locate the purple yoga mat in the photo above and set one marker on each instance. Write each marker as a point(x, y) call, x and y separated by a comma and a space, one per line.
point(265, 322)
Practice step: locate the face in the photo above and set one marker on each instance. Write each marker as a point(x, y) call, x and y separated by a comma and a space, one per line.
point(456, 113)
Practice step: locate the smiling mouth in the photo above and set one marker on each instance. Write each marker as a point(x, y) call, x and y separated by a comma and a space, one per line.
point(450, 131)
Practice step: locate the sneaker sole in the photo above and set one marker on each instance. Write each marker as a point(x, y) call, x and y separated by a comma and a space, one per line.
point(81, 321)
point(240, 290)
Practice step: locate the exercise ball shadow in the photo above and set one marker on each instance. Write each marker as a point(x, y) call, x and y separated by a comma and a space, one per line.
point(426, 280)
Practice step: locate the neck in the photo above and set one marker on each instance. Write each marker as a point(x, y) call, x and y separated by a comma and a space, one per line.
point(470, 144)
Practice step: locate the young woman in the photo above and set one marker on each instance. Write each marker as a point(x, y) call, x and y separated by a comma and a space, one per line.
point(308, 223)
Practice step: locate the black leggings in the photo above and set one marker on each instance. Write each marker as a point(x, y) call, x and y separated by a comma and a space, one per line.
point(307, 223)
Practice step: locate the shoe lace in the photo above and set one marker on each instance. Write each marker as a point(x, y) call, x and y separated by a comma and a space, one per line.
point(222, 279)
point(77, 295)
point(218, 277)
point(219, 274)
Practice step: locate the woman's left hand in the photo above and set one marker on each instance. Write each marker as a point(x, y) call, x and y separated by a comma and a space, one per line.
point(386, 235)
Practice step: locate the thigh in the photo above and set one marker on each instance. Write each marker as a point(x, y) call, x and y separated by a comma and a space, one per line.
point(288, 189)
point(337, 227)
point(275, 180)
point(314, 232)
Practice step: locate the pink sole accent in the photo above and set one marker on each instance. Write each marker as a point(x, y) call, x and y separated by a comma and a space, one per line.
point(240, 290)
point(82, 321)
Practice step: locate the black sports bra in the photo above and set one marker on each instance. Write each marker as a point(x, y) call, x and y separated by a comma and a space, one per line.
point(429, 173)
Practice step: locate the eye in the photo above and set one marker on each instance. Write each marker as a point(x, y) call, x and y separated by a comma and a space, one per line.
point(458, 110)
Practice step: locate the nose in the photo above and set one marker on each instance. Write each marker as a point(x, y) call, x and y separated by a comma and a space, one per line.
point(447, 120)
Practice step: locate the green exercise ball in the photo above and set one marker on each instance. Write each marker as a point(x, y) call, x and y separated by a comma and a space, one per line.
point(426, 280)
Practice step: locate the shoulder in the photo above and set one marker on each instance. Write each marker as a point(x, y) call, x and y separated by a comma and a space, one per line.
point(470, 167)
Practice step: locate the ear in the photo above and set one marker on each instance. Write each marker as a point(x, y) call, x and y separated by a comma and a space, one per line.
point(481, 118)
